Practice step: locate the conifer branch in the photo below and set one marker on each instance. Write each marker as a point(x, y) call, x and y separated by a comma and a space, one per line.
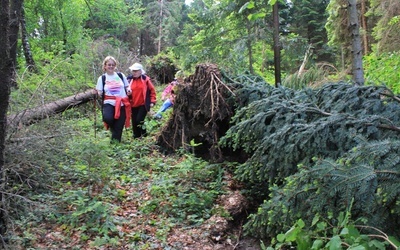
point(346, 135)
point(394, 128)
point(390, 94)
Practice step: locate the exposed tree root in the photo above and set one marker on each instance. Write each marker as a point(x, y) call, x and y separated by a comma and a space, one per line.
point(201, 113)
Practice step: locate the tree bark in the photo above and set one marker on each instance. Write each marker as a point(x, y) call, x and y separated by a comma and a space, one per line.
point(63, 26)
point(249, 43)
point(354, 27)
point(364, 26)
point(277, 47)
point(30, 63)
point(160, 29)
point(30, 116)
point(6, 68)
point(15, 15)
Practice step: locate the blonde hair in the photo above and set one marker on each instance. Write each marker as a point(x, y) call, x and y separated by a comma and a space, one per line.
point(109, 58)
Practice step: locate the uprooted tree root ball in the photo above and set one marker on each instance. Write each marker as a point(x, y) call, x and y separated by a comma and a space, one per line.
point(201, 114)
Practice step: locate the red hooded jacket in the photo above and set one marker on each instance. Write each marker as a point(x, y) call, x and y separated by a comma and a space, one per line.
point(143, 92)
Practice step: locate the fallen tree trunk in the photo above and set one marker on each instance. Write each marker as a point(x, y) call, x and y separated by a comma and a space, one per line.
point(29, 116)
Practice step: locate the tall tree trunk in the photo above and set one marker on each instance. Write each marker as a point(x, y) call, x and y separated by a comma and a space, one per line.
point(30, 63)
point(354, 27)
point(277, 46)
point(141, 42)
point(248, 43)
point(64, 27)
point(160, 27)
point(15, 15)
point(5, 83)
point(364, 26)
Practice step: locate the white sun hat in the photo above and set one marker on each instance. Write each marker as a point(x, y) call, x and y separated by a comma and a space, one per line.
point(136, 66)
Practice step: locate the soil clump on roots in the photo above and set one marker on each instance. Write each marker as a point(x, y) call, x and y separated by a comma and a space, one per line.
point(201, 115)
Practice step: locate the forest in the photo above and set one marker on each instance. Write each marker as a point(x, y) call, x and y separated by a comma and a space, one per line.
point(284, 133)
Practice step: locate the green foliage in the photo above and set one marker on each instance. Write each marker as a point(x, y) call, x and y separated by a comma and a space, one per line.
point(89, 158)
point(59, 78)
point(294, 48)
point(162, 68)
point(61, 30)
point(54, 26)
point(113, 18)
point(248, 88)
point(327, 187)
point(321, 234)
point(87, 166)
point(383, 70)
point(223, 34)
point(186, 191)
point(33, 165)
point(316, 146)
point(170, 21)
point(90, 216)
point(314, 76)
point(386, 22)
point(308, 19)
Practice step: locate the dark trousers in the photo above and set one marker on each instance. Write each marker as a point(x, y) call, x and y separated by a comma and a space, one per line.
point(138, 116)
point(116, 125)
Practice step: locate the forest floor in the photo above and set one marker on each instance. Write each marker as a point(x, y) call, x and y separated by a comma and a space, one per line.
point(146, 231)
point(148, 204)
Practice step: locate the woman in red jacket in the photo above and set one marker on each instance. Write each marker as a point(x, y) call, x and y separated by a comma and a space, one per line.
point(142, 99)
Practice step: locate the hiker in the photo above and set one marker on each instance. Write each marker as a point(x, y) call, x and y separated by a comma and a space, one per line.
point(168, 96)
point(114, 89)
point(142, 99)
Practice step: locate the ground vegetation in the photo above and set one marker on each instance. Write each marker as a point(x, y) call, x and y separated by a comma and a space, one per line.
point(310, 164)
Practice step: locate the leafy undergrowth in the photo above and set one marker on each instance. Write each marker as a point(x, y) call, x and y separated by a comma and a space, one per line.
point(127, 196)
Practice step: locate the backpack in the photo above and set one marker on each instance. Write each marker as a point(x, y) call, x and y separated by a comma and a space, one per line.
point(103, 78)
point(147, 102)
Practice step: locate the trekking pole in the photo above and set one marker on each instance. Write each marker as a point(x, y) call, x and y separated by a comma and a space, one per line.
point(95, 115)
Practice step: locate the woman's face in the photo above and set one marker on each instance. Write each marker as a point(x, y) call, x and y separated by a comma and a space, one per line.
point(136, 73)
point(110, 66)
